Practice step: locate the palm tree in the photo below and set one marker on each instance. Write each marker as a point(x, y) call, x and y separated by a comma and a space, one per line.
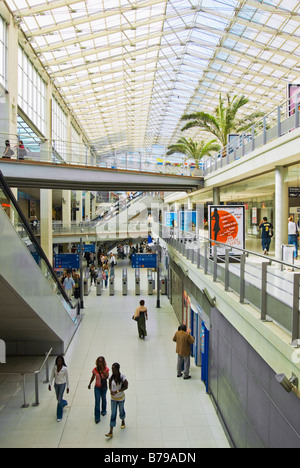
point(224, 120)
point(192, 149)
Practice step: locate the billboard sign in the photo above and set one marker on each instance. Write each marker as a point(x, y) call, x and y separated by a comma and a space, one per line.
point(227, 225)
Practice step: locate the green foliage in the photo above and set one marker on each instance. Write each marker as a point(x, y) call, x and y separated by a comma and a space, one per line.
point(193, 150)
point(224, 120)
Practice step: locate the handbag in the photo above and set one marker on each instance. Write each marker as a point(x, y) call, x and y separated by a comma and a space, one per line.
point(135, 318)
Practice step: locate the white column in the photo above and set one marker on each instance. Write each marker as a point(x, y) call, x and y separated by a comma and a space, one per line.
point(216, 196)
point(46, 223)
point(87, 204)
point(79, 205)
point(66, 208)
point(12, 70)
point(281, 210)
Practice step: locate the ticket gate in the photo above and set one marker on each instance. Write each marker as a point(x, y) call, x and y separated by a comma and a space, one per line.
point(124, 282)
point(151, 283)
point(112, 286)
point(137, 282)
point(86, 286)
point(99, 287)
point(163, 286)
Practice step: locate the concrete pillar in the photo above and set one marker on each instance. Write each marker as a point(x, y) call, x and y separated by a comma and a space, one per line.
point(93, 207)
point(281, 210)
point(46, 223)
point(216, 196)
point(12, 71)
point(66, 208)
point(79, 205)
point(87, 204)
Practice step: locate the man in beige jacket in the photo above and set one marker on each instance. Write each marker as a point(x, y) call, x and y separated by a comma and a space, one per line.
point(183, 341)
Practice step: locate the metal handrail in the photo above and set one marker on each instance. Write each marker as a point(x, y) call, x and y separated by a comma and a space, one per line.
point(206, 248)
point(10, 196)
point(36, 375)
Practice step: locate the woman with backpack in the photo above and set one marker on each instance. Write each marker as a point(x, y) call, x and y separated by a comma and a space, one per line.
point(117, 386)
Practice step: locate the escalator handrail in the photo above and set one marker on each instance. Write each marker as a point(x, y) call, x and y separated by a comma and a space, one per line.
point(9, 194)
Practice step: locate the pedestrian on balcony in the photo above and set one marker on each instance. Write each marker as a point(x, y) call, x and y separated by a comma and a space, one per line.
point(266, 234)
point(8, 152)
point(293, 233)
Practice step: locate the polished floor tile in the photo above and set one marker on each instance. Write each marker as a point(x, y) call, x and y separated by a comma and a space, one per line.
point(162, 411)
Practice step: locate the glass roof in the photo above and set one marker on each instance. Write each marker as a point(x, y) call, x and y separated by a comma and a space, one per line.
point(129, 69)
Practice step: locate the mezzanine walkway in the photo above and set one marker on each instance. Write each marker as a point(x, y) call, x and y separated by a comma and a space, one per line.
point(48, 175)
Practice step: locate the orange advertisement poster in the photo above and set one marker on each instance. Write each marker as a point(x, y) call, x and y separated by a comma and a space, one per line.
point(227, 226)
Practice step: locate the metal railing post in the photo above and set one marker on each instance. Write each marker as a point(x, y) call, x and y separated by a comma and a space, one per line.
point(263, 287)
point(264, 130)
point(242, 278)
point(25, 405)
point(295, 324)
point(226, 284)
point(36, 385)
point(206, 248)
point(253, 137)
point(278, 122)
point(215, 271)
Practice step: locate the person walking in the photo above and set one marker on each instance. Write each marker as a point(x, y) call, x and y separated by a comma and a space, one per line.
point(266, 234)
point(112, 262)
point(69, 284)
point(183, 341)
point(100, 373)
point(141, 315)
point(117, 386)
point(60, 377)
point(293, 232)
point(8, 152)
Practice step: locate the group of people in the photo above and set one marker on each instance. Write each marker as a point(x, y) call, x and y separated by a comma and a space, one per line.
point(8, 152)
point(267, 231)
point(117, 384)
point(71, 283)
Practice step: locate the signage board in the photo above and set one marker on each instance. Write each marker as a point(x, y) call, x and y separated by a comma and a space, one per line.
point(171, 218)
point(66, 261)
point(144, 261)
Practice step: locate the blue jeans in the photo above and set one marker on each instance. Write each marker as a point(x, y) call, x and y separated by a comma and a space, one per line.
point(293, 240)
point(265, 242)
point(100, 394)
point(114, 407)
point(60, 389)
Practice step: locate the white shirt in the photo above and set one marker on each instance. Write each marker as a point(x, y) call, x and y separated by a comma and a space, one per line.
point(120, 396)
point(292, 228)
point(61, 377)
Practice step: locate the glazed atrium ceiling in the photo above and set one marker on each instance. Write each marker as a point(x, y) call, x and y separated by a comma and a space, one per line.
point(129, 69)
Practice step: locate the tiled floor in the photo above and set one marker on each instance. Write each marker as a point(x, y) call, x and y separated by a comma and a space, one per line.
point(162, 410)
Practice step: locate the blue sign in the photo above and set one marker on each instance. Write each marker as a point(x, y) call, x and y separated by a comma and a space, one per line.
point(144, 260)
point(66, 261)
point(87, 248)
point(171, 218)
point(188, 221)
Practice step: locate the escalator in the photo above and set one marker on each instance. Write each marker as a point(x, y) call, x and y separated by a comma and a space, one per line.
point(35, 313)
